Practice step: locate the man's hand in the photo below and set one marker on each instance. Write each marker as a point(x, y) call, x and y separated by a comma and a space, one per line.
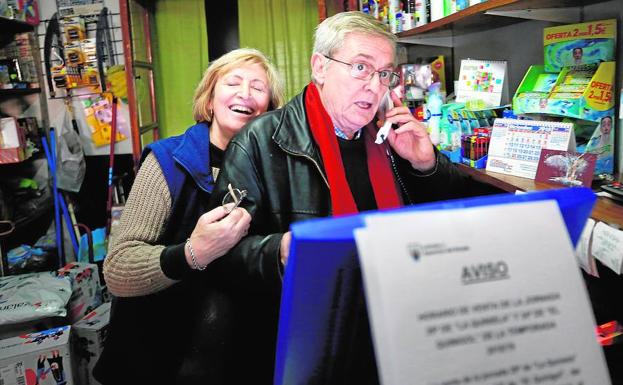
point(284, 248)
point(410, 140)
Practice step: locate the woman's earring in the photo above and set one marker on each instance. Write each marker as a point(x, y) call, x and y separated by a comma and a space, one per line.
point(210, 114)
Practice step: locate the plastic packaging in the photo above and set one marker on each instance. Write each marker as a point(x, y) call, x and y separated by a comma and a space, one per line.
point(434, 101)
point(33, 296)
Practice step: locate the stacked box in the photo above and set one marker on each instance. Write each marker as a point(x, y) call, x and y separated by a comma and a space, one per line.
point(42, 358)
point(89, 335)
point(85, 287)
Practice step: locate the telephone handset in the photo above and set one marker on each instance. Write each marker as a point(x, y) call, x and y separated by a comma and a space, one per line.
point(385, 105)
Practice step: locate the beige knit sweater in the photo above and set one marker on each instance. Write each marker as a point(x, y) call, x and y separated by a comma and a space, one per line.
point(132, 266)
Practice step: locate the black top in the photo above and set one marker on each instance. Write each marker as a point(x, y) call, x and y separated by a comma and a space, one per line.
point(356, 168)
point(216, 156)
point(173, 258)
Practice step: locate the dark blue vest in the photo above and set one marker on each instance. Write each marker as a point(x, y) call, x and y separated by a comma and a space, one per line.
point(185, 163)
point(158, 338)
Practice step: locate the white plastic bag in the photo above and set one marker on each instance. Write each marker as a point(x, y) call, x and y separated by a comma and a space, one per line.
point(33, 296)
point(70, 163)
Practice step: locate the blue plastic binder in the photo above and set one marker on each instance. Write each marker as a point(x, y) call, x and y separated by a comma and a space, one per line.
point(322, 280)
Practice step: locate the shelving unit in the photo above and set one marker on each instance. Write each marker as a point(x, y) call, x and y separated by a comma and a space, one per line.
point(17, 92)
point(8, 29)
point(27, 228)
point(14, 26)
point(492, 14)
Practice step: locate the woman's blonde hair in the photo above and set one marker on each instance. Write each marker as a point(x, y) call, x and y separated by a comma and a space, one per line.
point(204, 92)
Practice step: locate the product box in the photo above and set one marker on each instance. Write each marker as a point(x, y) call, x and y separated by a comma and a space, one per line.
point(41, 358)
point(85, 287)
point(579, 44)
point(89, 335)
point(576, 92)
point(12, 141)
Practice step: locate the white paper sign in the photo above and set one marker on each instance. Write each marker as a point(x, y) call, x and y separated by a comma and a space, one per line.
point(608, 246)
point(583, 249)
point(451, 304)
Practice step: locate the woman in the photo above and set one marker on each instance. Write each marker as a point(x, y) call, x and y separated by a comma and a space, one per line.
point(171, 321)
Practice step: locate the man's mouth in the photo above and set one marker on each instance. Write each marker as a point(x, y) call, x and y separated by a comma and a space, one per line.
point(364, 105)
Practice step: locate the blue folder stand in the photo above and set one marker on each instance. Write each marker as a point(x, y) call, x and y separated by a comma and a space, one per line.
point(323, 271)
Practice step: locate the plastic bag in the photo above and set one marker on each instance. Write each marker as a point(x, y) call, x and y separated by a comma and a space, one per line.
point(99, 246)
point(33, 296)
point(70, 163)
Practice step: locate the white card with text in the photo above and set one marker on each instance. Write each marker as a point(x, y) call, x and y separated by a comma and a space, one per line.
point(468, 296)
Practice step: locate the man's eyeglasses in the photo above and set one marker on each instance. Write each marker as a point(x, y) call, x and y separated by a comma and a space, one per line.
point(233, 198)
point(364, 71)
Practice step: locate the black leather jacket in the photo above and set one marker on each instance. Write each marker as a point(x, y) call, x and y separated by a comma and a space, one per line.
point(277, 161)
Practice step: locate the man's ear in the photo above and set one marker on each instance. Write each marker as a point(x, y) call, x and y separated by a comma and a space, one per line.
point(318, 62)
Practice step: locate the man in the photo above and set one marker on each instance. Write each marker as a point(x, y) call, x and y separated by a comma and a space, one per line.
point(316, 157)
point(578, 52)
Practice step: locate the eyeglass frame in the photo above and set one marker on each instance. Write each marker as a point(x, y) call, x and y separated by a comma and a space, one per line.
point(393, 75)
point(232, 191)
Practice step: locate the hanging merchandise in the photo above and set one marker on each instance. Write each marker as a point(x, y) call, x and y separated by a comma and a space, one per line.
point(98, 112)
point(74, 59)
point(117, 81)
point(70, 163)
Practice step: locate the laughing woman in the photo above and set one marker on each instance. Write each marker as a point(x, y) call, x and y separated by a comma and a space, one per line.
point(172, 322)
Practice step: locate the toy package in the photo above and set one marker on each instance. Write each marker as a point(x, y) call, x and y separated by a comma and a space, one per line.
point(42, 358)
point(579, 44)
point(98, 114)
point(417, 77)
point(85, 285)
point(89, 336)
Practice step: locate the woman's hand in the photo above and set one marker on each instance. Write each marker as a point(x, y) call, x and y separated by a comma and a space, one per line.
point(215, 233)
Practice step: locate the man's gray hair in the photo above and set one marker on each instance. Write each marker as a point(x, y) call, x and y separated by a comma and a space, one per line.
point(331, 33)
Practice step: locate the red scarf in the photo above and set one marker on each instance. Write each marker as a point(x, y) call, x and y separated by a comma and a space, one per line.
point(379, 170)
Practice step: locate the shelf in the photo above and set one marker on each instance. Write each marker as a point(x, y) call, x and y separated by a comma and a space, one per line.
point(605, 210)
point(5, 93)
point(14, 26)
point(490, 14)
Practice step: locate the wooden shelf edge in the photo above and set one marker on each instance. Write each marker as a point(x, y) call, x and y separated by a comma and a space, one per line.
point(448, 20)
point(13, 25)
point(8, 92)
point(605, 210)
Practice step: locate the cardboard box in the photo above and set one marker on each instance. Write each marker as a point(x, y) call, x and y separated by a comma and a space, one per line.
point(41, 358)
point(85, 287)
point(592, 42)
point(89, 335)
point(594, 99)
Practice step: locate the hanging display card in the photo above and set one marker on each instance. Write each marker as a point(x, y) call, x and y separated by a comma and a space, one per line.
point(450, 306)
point(482, 80)
point(516, 145)
point(579, 44)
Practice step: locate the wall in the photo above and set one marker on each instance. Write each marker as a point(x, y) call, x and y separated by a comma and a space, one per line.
point(57, 110)
point(180, 57)
point(521, 45)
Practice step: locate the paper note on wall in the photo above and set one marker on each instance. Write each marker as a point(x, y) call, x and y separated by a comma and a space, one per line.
point(608, 246)
point(583, 250)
